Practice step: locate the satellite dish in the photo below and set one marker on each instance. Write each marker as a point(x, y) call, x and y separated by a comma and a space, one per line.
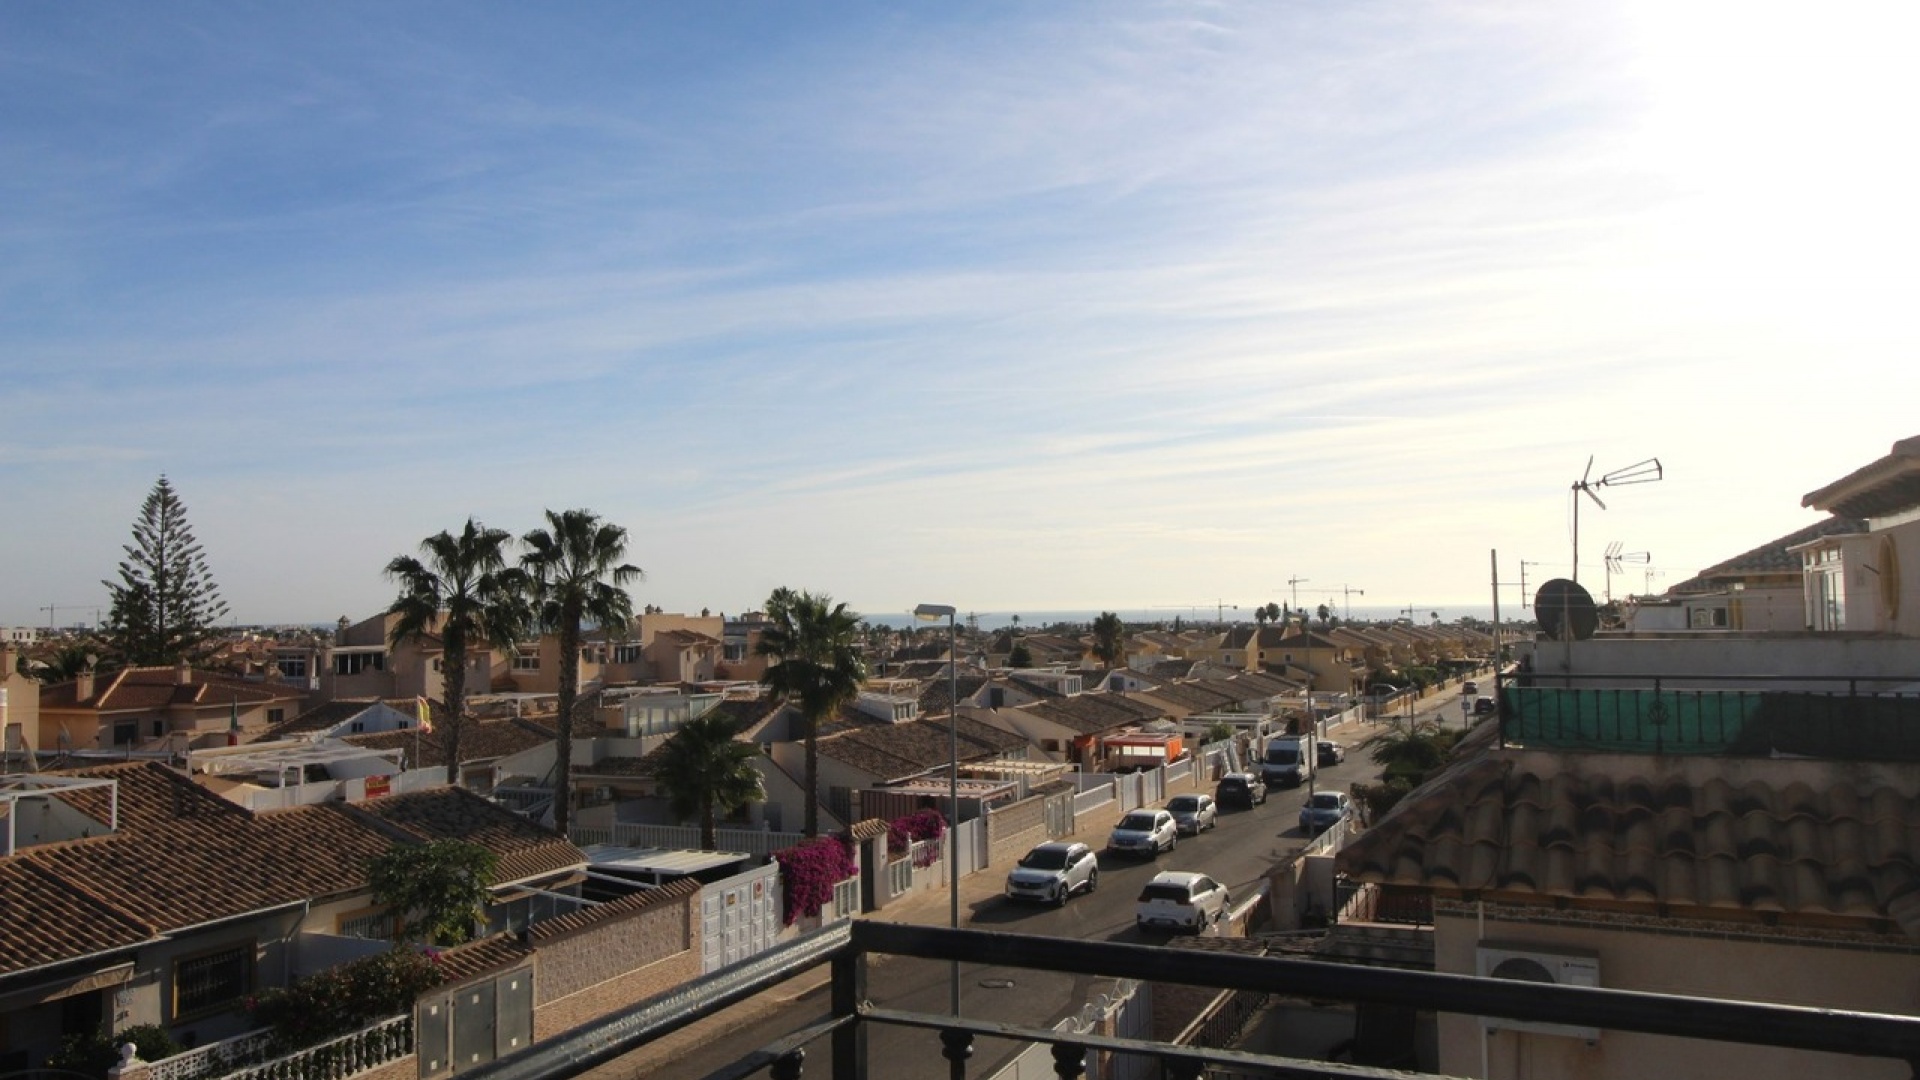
point(1565, 611)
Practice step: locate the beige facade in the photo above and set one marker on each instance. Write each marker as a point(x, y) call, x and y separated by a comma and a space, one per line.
point(19, 705)
point(1751, 963)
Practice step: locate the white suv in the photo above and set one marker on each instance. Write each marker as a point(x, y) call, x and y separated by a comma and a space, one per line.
point(1181, 900)
point(1054, 871)
point(1144, 832)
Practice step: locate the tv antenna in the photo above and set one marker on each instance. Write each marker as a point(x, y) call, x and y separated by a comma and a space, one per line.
point(1615, 561)
point(1642, 472)
point(1526, 598)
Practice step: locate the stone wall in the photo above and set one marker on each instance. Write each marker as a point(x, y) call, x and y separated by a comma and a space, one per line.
point(589, 969)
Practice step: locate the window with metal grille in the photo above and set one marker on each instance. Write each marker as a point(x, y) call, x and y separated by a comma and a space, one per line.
point(212, 981)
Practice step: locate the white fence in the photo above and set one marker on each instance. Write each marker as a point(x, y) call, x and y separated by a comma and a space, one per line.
point(1126, 1008)
point(240, 1058)
point(758, 842)
point(213, 1059)
point(337, 1059)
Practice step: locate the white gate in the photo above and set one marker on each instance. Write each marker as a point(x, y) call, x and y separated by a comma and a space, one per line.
point(739, 917)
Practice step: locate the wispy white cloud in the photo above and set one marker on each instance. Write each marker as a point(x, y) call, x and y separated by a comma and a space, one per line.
point(1082, 306)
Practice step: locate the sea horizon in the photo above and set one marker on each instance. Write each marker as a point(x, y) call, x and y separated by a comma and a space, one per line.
point(1207, 614)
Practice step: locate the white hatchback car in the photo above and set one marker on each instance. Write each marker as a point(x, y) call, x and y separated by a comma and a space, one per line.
point(1052, 872)
point(1181, 900)
point(1144, 832)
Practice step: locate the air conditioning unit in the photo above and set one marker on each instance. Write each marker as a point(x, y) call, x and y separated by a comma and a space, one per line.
point(1543, 964)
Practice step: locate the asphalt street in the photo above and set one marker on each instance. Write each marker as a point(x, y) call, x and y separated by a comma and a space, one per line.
point(1238, 852)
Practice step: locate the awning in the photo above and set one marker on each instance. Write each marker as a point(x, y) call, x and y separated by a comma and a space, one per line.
point(55, 989)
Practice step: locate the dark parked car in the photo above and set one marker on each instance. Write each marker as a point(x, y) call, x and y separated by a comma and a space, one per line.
point(1243, 789)
point(1330, 752)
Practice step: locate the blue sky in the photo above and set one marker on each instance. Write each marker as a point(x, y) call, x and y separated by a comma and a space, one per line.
point(1014, 307)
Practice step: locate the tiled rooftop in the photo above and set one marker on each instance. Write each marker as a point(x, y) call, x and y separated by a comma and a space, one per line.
point(183, 857)
point(525, 850)
point(1769, 558)
point(1794, 838)
point(44, 922)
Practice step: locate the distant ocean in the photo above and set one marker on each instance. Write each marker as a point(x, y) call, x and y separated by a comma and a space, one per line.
point(994, 620)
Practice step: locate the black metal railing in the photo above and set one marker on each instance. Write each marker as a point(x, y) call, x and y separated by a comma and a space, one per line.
point(848, 946)
point(1855, 719)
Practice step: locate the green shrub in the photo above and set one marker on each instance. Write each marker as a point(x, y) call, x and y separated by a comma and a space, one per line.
point(93, 1052)
point(346, 998)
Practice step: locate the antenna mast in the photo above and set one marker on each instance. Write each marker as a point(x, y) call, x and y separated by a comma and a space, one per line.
point(1643, 472)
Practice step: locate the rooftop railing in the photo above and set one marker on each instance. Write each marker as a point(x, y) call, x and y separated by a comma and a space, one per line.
point(848, 947)
point(1859, 718)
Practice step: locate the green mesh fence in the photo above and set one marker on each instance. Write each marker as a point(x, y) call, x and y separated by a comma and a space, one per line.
point(1738, 723)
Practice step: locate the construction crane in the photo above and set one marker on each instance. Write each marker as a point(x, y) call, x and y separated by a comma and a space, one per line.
point(53, 612)
point(1220, 608)
point(1294, 584)
point(1346, 594)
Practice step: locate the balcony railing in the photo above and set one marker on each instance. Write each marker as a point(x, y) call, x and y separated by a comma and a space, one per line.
point(847, 948)
point(1854, 719)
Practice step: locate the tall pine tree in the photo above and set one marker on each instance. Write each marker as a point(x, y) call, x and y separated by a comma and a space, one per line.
point(166, 604)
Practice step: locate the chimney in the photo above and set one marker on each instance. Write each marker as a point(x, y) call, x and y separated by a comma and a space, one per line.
point(83, 684)
point(182, 674)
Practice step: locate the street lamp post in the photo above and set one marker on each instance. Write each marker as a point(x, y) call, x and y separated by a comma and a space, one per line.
point(934, 613)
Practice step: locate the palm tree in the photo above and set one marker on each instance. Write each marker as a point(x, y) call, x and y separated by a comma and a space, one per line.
point(463, 590)
point(576, 573)
point(816, 669)
point(1109, 638)
point(706, 772)
point(1413, 752)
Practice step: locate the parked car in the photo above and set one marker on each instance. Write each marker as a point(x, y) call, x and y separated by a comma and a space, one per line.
point(1241, 789)
point(1330, 752)
point(1192, 813)
point(1054, 871)
point(1469, 687)
point(1483, 706)
point(1323, 810)
point(1144, 832)
point(1181, 900)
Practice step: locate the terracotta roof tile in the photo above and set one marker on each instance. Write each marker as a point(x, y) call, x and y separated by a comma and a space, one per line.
point(43, 921)
point(1783, 837)
point(575, 921)
point(199, 869)
point(525, 849)
point(470, 960)
point(1772, 557)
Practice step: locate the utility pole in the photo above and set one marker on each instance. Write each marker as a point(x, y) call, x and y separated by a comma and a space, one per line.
point(1525, 602)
